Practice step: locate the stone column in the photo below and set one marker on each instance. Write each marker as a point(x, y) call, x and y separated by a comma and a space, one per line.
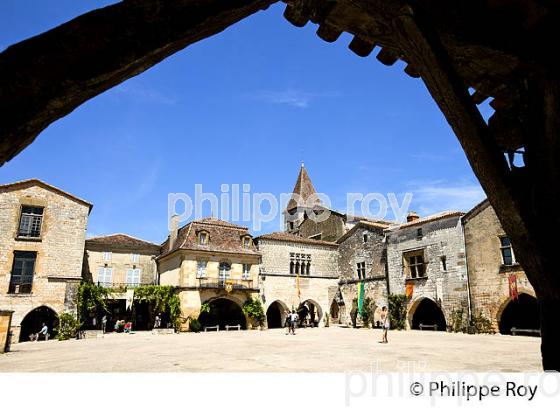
point(5, 323)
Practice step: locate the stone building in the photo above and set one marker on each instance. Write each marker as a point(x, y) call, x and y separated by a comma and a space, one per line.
point(426, 261)
point(491, 262)
point(215, 263)
point(42, 237)
point(120, 261)
point(362, 258)
point(297, 273)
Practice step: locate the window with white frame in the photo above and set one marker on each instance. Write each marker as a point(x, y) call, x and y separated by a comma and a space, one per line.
point(134, 257)
point(105, 276)
point(508, 257)
point(224, 271)
point(133, 276)
point(106, 256)
point(30, 222)
point(246, 271)
point(246, 242)
point(201, 269)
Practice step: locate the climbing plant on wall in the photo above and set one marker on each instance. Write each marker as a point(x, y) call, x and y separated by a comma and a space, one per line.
point(253, 308)
point(91, 299)
point(163, 299)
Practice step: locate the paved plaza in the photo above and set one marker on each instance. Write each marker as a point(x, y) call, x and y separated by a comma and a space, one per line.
point(310, 350)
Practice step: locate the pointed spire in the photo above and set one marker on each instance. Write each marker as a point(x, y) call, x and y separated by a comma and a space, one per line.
point(304, 188)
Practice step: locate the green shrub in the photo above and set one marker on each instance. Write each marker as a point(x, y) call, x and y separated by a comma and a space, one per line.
point(397, 311)
point(253, 308)
point(481, 323)
point(68, 326)
point(457, 318)
point(367, 312)
point(195, 326)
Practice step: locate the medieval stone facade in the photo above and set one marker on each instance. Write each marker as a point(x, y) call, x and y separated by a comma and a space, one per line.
point(426, 260)
point(491, 262)
point(42, 237)
point(297, 271)
point(362, 258)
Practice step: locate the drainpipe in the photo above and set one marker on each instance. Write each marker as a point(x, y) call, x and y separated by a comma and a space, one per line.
point(469, 299)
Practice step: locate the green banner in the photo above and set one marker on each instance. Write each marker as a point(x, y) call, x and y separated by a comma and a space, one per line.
point(361, 292)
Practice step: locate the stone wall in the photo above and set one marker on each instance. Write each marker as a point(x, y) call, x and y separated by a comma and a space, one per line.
point(353, 249)
point(60, 249)
point(330, 229)
point(487, 275)
point(121, 261)
point(277, 284)
point(441, 237)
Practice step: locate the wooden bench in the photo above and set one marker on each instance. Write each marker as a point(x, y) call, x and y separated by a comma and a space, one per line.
point(433, 327)
point(216, 328)
point(515, 331)
point(236, 327)
point(163, 331)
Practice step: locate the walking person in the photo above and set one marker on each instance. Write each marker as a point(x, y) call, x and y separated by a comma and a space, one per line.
point(385, 322)
point(293, 321)
point(104, 324)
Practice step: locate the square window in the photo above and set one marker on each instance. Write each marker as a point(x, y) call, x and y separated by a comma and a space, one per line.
point(30, 222)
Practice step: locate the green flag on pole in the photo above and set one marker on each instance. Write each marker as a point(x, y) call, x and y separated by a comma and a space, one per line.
point(361, 292)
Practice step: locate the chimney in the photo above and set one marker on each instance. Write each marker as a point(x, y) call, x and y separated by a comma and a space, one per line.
point(174, 225)
point(412, 216)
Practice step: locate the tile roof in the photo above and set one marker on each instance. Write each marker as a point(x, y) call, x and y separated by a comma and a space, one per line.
point(304, 188)
point(288, 237)
point(223, 237)
point(426, 219)
point(122, 241)
point(35, 181)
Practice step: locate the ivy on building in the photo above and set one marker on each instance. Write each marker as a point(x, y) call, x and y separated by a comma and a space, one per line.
point(254, 310)
point(163, 299)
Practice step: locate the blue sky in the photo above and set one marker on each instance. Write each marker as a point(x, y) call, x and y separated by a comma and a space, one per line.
point(243, 107)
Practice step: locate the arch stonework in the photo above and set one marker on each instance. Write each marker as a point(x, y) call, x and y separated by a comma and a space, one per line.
point(496, 313)
point(413, 305)
point(44, 85)
point(283, 309)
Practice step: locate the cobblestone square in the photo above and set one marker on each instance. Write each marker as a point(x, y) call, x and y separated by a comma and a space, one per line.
point(310, 350)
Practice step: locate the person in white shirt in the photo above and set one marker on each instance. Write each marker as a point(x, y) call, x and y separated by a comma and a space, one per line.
point(44, 332)
point(293, 320)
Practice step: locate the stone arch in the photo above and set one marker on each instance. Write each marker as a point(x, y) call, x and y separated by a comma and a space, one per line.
point(34, 319)
point(426, 311)
point(505, 301)
point(334, 312)
point(521, 314)
point(276, 314)
point(223, 311)
point(310, 313)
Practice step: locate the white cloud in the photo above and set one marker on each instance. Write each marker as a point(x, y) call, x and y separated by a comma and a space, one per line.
point(436, 196)
point(145, 95)
point(293, 98)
